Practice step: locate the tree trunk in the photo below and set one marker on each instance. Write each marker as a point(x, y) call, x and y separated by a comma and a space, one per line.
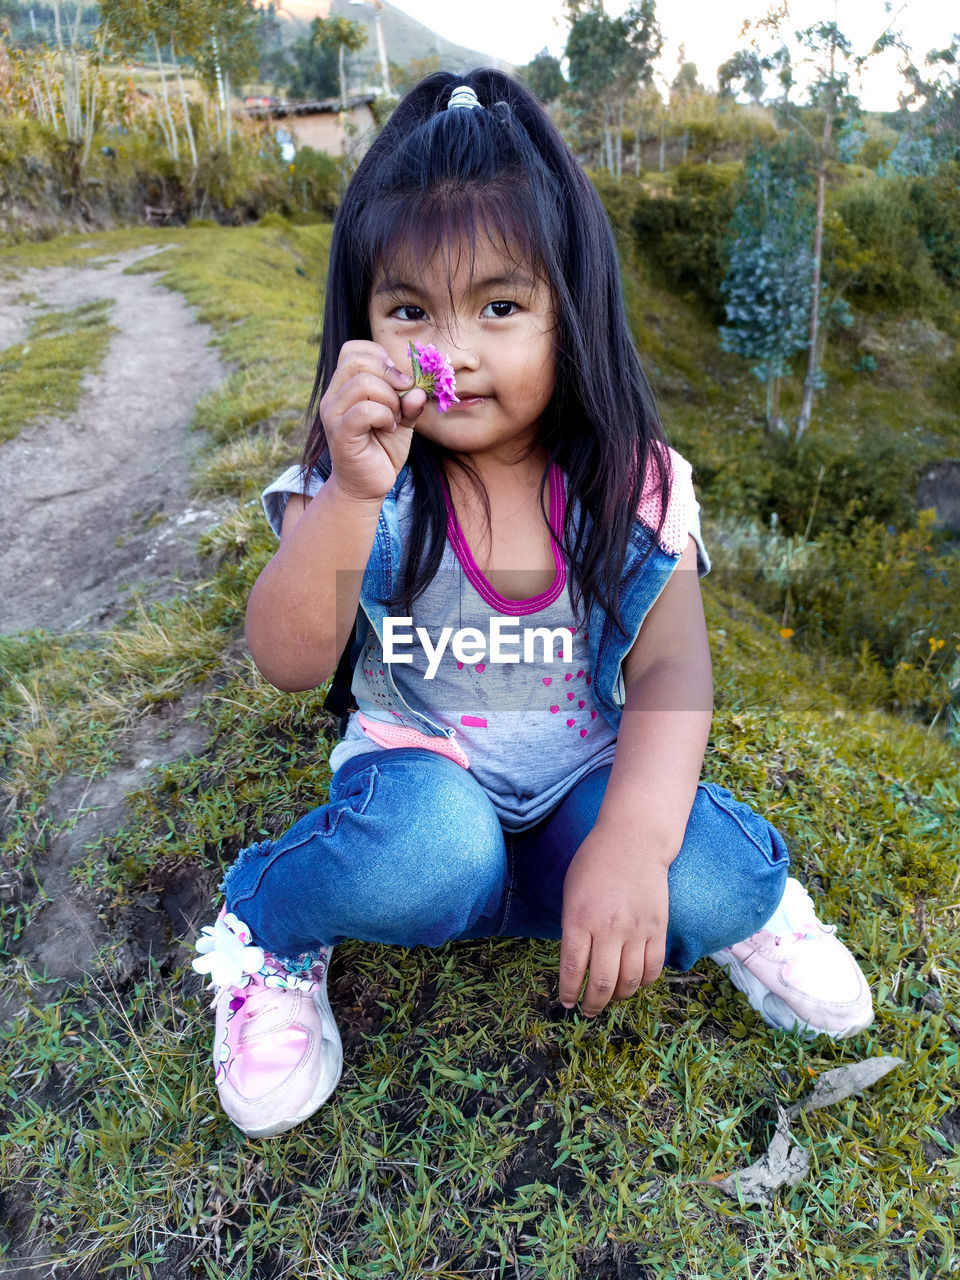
point(172, 137)
point(809, 382)
point(221, 104)
point(226, 107)
point(93, 69)
point(68, 77)
point(38, 102)
point(662, 143)
point(619, 139)
point(50, 98)
point(186, 107)
point(343, 80)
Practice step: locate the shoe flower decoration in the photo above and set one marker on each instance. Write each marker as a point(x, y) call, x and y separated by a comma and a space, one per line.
point(433, 373)
point(226, 953)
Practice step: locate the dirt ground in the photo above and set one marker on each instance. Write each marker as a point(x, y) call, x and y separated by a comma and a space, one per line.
point(97, 503)
point(97, 512)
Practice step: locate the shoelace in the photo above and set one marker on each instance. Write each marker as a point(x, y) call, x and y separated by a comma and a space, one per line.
point(798, 935)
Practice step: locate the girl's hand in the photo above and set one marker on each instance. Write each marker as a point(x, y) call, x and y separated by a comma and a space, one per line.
point(614, 919)
point(369, 428)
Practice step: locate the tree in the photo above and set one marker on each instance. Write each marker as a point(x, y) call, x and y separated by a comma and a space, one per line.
point(936, 94)
point(609, 60)
point(319, 69)
point(685, 84)
point(544, 77)
point(417, 69)
point(833, 57)
point(828, 51)
point(743, 73)
point(767, 286)
point(273, 64)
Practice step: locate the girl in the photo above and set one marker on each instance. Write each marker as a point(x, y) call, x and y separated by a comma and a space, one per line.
point(514, 583)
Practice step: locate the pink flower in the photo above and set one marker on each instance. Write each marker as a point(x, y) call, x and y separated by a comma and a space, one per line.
point(433, 372)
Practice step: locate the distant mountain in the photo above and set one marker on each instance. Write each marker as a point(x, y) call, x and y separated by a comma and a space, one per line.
point(405, 38)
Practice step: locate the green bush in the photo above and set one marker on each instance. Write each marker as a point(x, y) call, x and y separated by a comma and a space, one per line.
point(895, 270)
point(887, 600)
point(683, 235)
point(46, 189)
point(936, 206)
point(873, 477)
point(619, 196)
point(312, 184)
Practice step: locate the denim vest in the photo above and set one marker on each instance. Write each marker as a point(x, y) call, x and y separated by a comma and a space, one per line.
point(609, 646)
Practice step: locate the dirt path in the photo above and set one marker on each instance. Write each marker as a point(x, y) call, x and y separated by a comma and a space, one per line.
point(98, 502)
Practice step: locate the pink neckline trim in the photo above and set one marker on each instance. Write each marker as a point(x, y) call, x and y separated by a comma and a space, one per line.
point(475, 575)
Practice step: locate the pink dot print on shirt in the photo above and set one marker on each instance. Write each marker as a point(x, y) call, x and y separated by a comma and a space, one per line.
point(473, 722)
point(568, 676)
point(571, 723)
point(571, 696)
point(554, 710)
point(480, 667)
point(581, 704)
point(583, 733)
point(547, 679)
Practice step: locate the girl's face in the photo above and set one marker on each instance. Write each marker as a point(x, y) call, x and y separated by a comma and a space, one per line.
point(495, 319)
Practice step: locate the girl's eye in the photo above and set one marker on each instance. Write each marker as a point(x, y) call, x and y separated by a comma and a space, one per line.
point(498, 310)
point(409, 312)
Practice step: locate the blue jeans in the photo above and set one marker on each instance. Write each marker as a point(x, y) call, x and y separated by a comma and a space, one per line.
point(409, 851)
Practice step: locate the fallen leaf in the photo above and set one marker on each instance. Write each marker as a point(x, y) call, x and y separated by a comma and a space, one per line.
point(783, 1164)
point(843, 1082)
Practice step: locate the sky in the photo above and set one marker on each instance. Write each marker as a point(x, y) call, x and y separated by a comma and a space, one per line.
point(709, 30)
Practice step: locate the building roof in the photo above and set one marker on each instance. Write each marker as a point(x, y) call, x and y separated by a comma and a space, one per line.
point(260, 106)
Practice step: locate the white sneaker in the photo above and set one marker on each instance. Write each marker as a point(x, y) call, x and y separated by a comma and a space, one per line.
point(801, 977)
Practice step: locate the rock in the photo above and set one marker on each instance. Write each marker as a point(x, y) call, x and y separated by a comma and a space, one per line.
point(939, 487)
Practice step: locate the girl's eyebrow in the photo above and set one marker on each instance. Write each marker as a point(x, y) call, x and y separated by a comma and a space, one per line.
point(516, 280)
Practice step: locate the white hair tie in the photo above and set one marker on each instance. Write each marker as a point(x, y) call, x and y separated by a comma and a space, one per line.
point(463, 96)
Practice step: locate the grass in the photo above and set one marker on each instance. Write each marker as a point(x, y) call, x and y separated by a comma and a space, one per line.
point(478, 1130)
point(43, 376)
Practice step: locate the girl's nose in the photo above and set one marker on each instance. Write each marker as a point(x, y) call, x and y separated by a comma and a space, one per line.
point(461, 349)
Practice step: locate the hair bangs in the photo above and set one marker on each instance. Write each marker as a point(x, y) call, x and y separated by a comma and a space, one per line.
point(449, 220)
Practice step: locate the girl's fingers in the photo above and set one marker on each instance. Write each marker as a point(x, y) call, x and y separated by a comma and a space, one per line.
point(633, 969)
point(365, 416)
point(653, 961)
point(411, 406)
point(603, 976)
point(574, 953)
point(359, 358)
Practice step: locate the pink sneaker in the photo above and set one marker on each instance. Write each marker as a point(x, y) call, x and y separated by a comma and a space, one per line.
point(801, 977)
point(276, 1048)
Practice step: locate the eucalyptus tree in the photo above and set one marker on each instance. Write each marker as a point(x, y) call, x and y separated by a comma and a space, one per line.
point(830, 58)
point(833, 59)
point(934, 94)
point(767, 285)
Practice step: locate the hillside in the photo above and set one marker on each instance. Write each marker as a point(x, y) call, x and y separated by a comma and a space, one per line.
point(479, 1131)
point(406, 39)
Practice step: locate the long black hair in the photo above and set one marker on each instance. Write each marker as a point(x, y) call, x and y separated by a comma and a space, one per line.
point(435, 177)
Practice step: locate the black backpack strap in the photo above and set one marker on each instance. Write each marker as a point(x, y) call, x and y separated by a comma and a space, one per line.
point(339, 700)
